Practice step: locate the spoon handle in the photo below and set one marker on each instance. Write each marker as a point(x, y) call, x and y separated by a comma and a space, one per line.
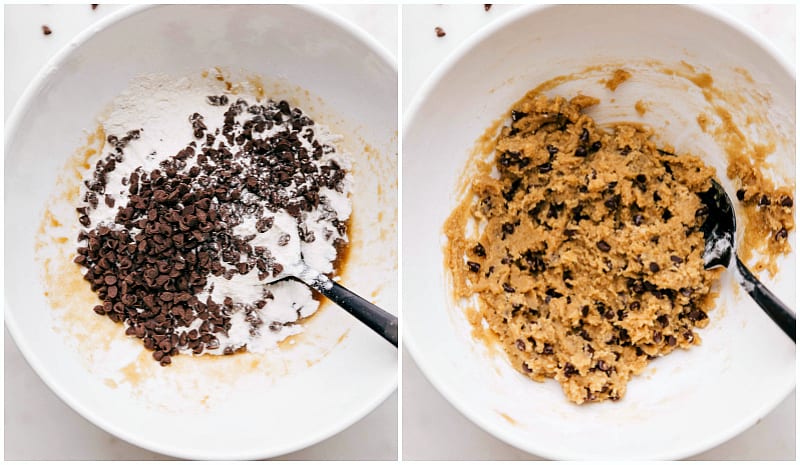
point(765, 299)
point(378, 320)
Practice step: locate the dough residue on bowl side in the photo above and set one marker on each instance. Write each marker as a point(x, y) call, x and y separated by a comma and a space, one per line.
point(764, 195)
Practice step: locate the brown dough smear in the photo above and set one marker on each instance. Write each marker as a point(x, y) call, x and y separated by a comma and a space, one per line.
point(588, 260)
point(768, 211)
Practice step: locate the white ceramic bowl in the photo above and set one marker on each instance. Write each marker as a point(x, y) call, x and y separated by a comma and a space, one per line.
point(298, 396)
point(684, 403)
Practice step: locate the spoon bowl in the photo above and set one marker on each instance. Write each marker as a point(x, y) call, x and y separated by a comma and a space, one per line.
point(719, 229)
point(289, 254)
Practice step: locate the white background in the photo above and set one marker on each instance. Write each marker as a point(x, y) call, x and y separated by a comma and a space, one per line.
point(432, 428)
point(38, 426)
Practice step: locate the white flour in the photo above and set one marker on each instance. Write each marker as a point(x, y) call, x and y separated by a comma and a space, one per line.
point(160, 106)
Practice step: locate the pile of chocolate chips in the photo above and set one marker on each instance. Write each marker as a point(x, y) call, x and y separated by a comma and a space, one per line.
point(176, 227)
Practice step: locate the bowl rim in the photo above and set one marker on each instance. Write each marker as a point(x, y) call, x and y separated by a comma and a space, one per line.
point(409, 342)
point(11, 129)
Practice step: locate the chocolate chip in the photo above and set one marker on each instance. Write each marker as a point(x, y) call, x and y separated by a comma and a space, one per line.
point(474, 267)
point(764, 201)
point(570, 370)
point(217, 100)
point(553, 293)
point(508, 228)
point(654, 268)
point(439, 32)
point(671, 340)
point(635, 305)
point(603, 246)
point(547, 349)
point(613, 202)
point(517, 115)
point(580, 152)
point(508, 288)
point(520, 345)
point(584, 136)
point(697, 315)
point(641, 182)
point(509, 158)
point(676, 259)
point(552, 150)
point(786, 201)
point(657, 337)
point(46, 30)
point(479, 251)
point(284, 240)
point(487, 6)
point(740, 194)
point(638, 219)
point(781, 234)
point(545, 168)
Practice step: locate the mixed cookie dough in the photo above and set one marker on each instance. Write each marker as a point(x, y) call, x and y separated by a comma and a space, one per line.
point(583, 248)
point(768, 212)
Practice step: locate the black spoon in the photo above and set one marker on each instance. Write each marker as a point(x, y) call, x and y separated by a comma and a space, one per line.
point(379, 320)
point(294, 266)
point(718, 231)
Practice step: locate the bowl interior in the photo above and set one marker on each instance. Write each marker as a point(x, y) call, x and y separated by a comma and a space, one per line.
point(684, 403)
point(281, 402)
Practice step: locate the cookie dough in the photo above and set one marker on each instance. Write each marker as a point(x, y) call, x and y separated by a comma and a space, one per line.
point(767, 211)
point(583, 248)
point(618, 78)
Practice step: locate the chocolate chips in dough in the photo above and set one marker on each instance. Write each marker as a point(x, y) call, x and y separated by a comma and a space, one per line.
point(588, 261)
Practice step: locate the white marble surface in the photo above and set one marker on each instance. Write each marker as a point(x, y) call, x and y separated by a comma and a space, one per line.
point(38, 426)
point(432, 428)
